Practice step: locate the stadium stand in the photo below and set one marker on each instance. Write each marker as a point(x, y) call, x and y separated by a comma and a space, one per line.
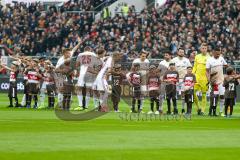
point(37, 31)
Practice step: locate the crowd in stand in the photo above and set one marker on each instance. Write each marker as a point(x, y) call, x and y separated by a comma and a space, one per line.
point(85, 5)
point(187, 23)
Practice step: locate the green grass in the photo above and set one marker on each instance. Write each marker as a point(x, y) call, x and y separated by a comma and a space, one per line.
point(39, 134)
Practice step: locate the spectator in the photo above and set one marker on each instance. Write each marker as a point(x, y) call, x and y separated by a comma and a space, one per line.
point(181, 23)
point(125, 10)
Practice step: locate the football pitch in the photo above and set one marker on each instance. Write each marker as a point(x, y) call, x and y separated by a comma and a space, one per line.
point(39, 134)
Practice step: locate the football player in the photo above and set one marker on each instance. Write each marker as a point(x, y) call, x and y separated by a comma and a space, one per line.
point(171, 78)
point(199, 69)
point(181, 63)
point(154, 84)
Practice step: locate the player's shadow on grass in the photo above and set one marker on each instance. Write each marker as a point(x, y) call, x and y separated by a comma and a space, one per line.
point(67, 115)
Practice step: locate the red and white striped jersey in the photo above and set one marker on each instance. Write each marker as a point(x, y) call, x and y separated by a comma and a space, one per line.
point(13, 76)
point(135, 78)
point(171, 76)
point(153, 83)
point(33, 77)
point(189, 80)
point(48, 78)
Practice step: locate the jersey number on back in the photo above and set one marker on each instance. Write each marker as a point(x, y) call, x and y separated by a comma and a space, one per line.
point(116, 82)
point(231, 86)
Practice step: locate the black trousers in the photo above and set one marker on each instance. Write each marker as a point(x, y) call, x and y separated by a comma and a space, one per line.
point(156, 100)
point(189, 101)
point(213, 104)
point(172, 96)
point(33, 90)
point(66, 101)
point(51, 95)
point(116, 96)
point(12, 93)
point(229, 102)
point(134, 103)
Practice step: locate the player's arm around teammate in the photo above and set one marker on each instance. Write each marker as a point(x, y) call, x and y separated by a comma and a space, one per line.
point(230, 84)
point(116, 78)
point(12, 93)
point(215, 76)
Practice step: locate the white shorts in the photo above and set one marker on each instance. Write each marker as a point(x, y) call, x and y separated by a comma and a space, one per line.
point(100, 85)
point(44, 86)
point(180, 86)
point(89, 85)
point(81, 82)
point(221, 89)
point(89, 80)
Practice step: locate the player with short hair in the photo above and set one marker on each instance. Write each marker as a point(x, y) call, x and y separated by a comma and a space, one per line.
point(163, 67)
point(171, 77)
point(230, 83)
point(135, 80)
point(67, 53)
point(94, 69)
point(50, 84)
point(67, 70)
point(181, 64)
point(34, 77)
point(144, 67)
point(167, 59)
point(24, 62)
point(117, 77)
point(12, 93)
point(43, 88)
point(215, 65)
point(189, 81)
point(101, 84)
point(25, 66)
point(83, 61)
point(154, 84)
point(199, 69)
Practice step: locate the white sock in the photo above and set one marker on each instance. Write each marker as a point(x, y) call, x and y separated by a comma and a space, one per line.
point(42, 97)
point(105, 98)
point(141, 103)
point(23, 103)
point(101, 101)
point(96, 102)
point(80, 99)
point(60, 99)
point(87, 99)
point(221, 105)
point(161, 103)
